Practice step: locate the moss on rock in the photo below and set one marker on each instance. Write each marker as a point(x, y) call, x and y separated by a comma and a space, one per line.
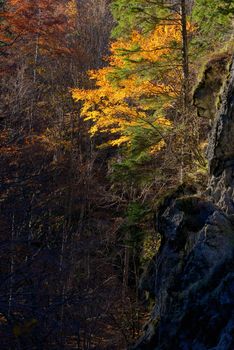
point(207, 94)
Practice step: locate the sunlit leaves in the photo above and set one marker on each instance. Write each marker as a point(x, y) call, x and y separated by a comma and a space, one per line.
point(125, 96)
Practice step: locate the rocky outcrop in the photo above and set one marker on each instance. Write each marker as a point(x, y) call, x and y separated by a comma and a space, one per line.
point(206, 95)
point(221, 151)
point(192, 276)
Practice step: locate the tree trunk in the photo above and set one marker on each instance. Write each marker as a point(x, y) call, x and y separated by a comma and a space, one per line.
point(185, 54)
point(185, 65)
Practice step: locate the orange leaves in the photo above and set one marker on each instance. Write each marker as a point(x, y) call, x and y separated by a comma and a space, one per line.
point(71, 12)
point(163, 121)
point(45, 21)
point(125, 94)
point(151, 47)
point(156, 148)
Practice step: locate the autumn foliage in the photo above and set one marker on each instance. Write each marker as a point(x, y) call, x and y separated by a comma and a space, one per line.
point(94, 131)
point(124, 96)
point(43, 23)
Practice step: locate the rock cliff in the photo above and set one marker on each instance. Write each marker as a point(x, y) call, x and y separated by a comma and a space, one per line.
point(192, 276)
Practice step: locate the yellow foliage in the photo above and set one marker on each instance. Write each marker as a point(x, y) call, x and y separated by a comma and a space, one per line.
point(163, 121)
point(71, 8)
point(156, 148)
point(115, 105)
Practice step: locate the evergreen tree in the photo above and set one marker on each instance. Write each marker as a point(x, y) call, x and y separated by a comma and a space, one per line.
point(214, 21)
point(141, 15)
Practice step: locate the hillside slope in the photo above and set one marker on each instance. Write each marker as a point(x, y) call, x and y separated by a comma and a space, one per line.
point(192, 276)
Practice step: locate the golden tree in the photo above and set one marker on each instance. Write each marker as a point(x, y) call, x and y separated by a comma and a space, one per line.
point(137, 86)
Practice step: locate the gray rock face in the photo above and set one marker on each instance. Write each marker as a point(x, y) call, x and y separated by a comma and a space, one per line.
point(221, 146)
point(205, 96)
point(221, 151)
point(192, 276)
